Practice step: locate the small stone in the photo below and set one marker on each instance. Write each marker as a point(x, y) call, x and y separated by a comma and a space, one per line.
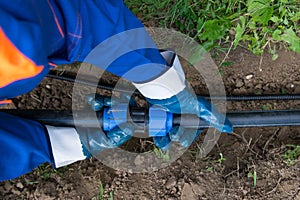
point(48, 86)
point(118, 182)
point(272, 85)
point(171, 198)
point(197, 189)
point(7, 186)
point(138, 160)
point(266, 87)
point(173, 190)
point(171, 182)
point(16, 192)
point(249, 76)
point(258, 86)
point(180, 183)
point(20, 185)
point(187, 192)
point(239, 83)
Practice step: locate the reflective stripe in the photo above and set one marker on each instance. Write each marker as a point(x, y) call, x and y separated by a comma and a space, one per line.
point(2, 102)
point(56, 20)
point(14, 65)
point(52, 65)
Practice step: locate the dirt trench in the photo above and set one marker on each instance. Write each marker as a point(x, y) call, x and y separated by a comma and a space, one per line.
point(248, 164)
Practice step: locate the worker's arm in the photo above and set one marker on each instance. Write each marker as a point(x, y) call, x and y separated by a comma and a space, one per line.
point(36, 35)
point(25, 144)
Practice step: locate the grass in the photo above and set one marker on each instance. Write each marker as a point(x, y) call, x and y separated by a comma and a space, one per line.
point(254, 177)
point(45, 171)
point(292, 155)
point(258, 25)
point(100, 196)
point(164, 155)
point(221, 159)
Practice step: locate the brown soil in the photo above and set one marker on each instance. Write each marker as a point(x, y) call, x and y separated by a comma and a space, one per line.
point(247, 151)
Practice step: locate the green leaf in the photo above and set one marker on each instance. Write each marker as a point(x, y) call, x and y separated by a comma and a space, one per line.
point(296, 17)
point(260, 10)
point(292, 39)
point(276, 34)
point(275, 56)
point(200, 23)
point(226, 64)
point(214, 29)
point(239, 31)
point(249, 175)
point(254, 179)
point(275, 19)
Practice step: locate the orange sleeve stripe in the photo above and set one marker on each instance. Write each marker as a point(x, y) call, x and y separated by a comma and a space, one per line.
point(5, 101)
point(52, 64)
point(14, 65)
point(56, 20)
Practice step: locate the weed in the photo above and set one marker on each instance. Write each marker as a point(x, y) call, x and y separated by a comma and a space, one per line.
point(101, 192)
point(254, 176)
point(283, 91)
point(100, 196)
point(291, 156)
point(221, 159)
point(46, 170)
point(210, 169)
point(267, 106)
point(164, 155)
point(258, 24)
point(111, 195)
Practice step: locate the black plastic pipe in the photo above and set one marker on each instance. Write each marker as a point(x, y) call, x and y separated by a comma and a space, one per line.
point(139, 116)
point(70, 78)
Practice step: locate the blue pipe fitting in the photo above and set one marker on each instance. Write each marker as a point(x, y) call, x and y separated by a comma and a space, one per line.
point(160, 121)
point(114, 116)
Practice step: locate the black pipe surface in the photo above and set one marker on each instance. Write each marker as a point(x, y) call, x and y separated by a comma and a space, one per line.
point(139, 116)
point(70, 78)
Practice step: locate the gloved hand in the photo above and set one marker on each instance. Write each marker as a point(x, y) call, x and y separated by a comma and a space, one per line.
point(69, 145)
point(178, 134)
point(171, 92)
point(95, 139)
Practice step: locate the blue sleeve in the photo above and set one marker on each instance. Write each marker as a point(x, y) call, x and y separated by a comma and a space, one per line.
point(23, 146)
point(62, 32)
point(109, 36)
point(50, 32)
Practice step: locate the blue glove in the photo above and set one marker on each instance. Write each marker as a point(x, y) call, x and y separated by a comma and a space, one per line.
point(95, 140)
point(186, 103)
point(178, 134)
point(70, 144)
point(170, 92)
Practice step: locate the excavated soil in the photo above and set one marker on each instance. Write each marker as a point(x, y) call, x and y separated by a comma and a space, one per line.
point(246, 152)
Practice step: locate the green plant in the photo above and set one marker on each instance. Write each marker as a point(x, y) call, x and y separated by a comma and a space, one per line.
point(221, 159)
point(46, 170)
point(292, 155)
point(101, 192)
point(100, 196)
point(164, 155)
point(267, 106)
point(210, 169)
point(258, 24)
point(111, 195)
point(254, 176)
